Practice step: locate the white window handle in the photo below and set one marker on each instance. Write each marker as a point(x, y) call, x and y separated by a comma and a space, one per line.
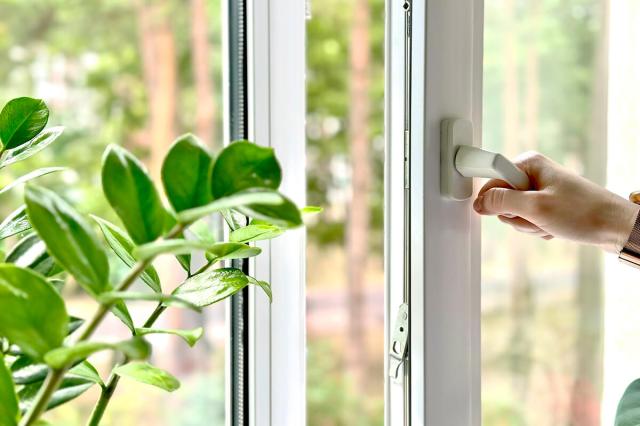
point(475, 162)
point(460, 161)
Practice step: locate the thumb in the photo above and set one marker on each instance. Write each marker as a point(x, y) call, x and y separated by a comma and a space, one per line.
point(502, 201)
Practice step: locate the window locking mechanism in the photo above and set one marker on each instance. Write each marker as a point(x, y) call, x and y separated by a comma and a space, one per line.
point(398, 349)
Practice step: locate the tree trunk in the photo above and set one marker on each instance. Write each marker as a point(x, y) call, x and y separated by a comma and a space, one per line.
point(205, 92)
point(160, 74)
point(587, 388)
point(522, 309)
point(358, 214)
point(160, 68)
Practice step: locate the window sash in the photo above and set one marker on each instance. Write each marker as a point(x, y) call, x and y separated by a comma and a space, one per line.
point(277, 113)
point(446, 78)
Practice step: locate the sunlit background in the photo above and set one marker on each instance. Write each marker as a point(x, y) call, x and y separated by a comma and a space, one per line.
point(559, 321)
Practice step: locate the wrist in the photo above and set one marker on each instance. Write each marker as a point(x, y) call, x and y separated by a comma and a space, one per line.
point(622, 227)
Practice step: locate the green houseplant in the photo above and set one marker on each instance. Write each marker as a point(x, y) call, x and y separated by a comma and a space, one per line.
point(44, 351)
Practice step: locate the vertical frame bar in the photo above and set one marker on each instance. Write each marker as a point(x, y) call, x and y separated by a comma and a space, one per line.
point(446, 82)
point(277, 113)
point(238, 319)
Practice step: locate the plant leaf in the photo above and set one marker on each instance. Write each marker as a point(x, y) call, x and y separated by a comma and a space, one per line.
point(120, 310)
point(165, 299)
point(310, 210)
point(134, 348)
point(123, 247)
point(24, 370)
point(29, 176)
point(35, 145)
point(265, 286)
point(8, 399)
point(212, 286)
point(31, 252)
point(69, 238)
point(628, 412)
point(250, 196)
point(21, 120)
point(33, 315)
point(201, 229)
point(285, 214)
point(186, 173)
point(15, 223)
point(70, 388)
point(131, 193)
point(218, 251)
point(242, 165)
point(255, 232)
point(146, 373)
point(189, 336)
point(87, 371)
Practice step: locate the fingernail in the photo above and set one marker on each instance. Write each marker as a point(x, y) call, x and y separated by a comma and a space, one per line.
point(477, 204)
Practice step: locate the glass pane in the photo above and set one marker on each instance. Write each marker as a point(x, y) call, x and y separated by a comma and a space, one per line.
point(556, 80)
point(345, 147)
point(136, 74)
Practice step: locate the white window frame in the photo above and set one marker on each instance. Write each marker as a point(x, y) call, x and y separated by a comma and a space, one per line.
point(445, 245)
point(445, 248)
point(277, 111)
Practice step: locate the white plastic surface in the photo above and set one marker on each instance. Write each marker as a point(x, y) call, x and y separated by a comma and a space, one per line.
point(460, 161)
point(475, 162)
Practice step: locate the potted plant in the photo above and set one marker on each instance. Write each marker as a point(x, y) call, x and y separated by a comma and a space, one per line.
point(44, 351)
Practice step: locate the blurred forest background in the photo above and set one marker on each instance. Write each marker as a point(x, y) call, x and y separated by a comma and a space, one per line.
point(141, 72)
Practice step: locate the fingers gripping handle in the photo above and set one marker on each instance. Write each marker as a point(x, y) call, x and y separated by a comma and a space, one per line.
point(460, 161)
point(475, 162)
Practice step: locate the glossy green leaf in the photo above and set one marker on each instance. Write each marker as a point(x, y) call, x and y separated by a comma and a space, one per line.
point(285, 214)
point(21, 120)
point(255, 232)
point(15, 223)
point(146, 373)
point(25, 370)
point(69, 238)
point(310, 210)
point(186, 173)
point(30, 176)
point(213, 286)
point(189, 336)
point(244, 198)
point(202, 230)
point(35, 145)
point(70, 388)
point(628, 412)
point(134, 348)
point(8, 399)
point(33, 315)
point(87, 371)
point(234, 219)
point(123, 247)
point(131, 193)
point(217, 251)
point(243, 165)
point(31, 252)
point(120, 310)
point(265, 286)
point(165, 299)
point(173, 246)
point(74, 324)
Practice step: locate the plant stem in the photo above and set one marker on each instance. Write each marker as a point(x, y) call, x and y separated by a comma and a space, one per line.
point(105, 397)
point(112, 383)
point(54, 377)
point(51, 383)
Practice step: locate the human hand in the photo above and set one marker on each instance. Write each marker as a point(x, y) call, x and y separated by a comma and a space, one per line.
point(559, 204)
